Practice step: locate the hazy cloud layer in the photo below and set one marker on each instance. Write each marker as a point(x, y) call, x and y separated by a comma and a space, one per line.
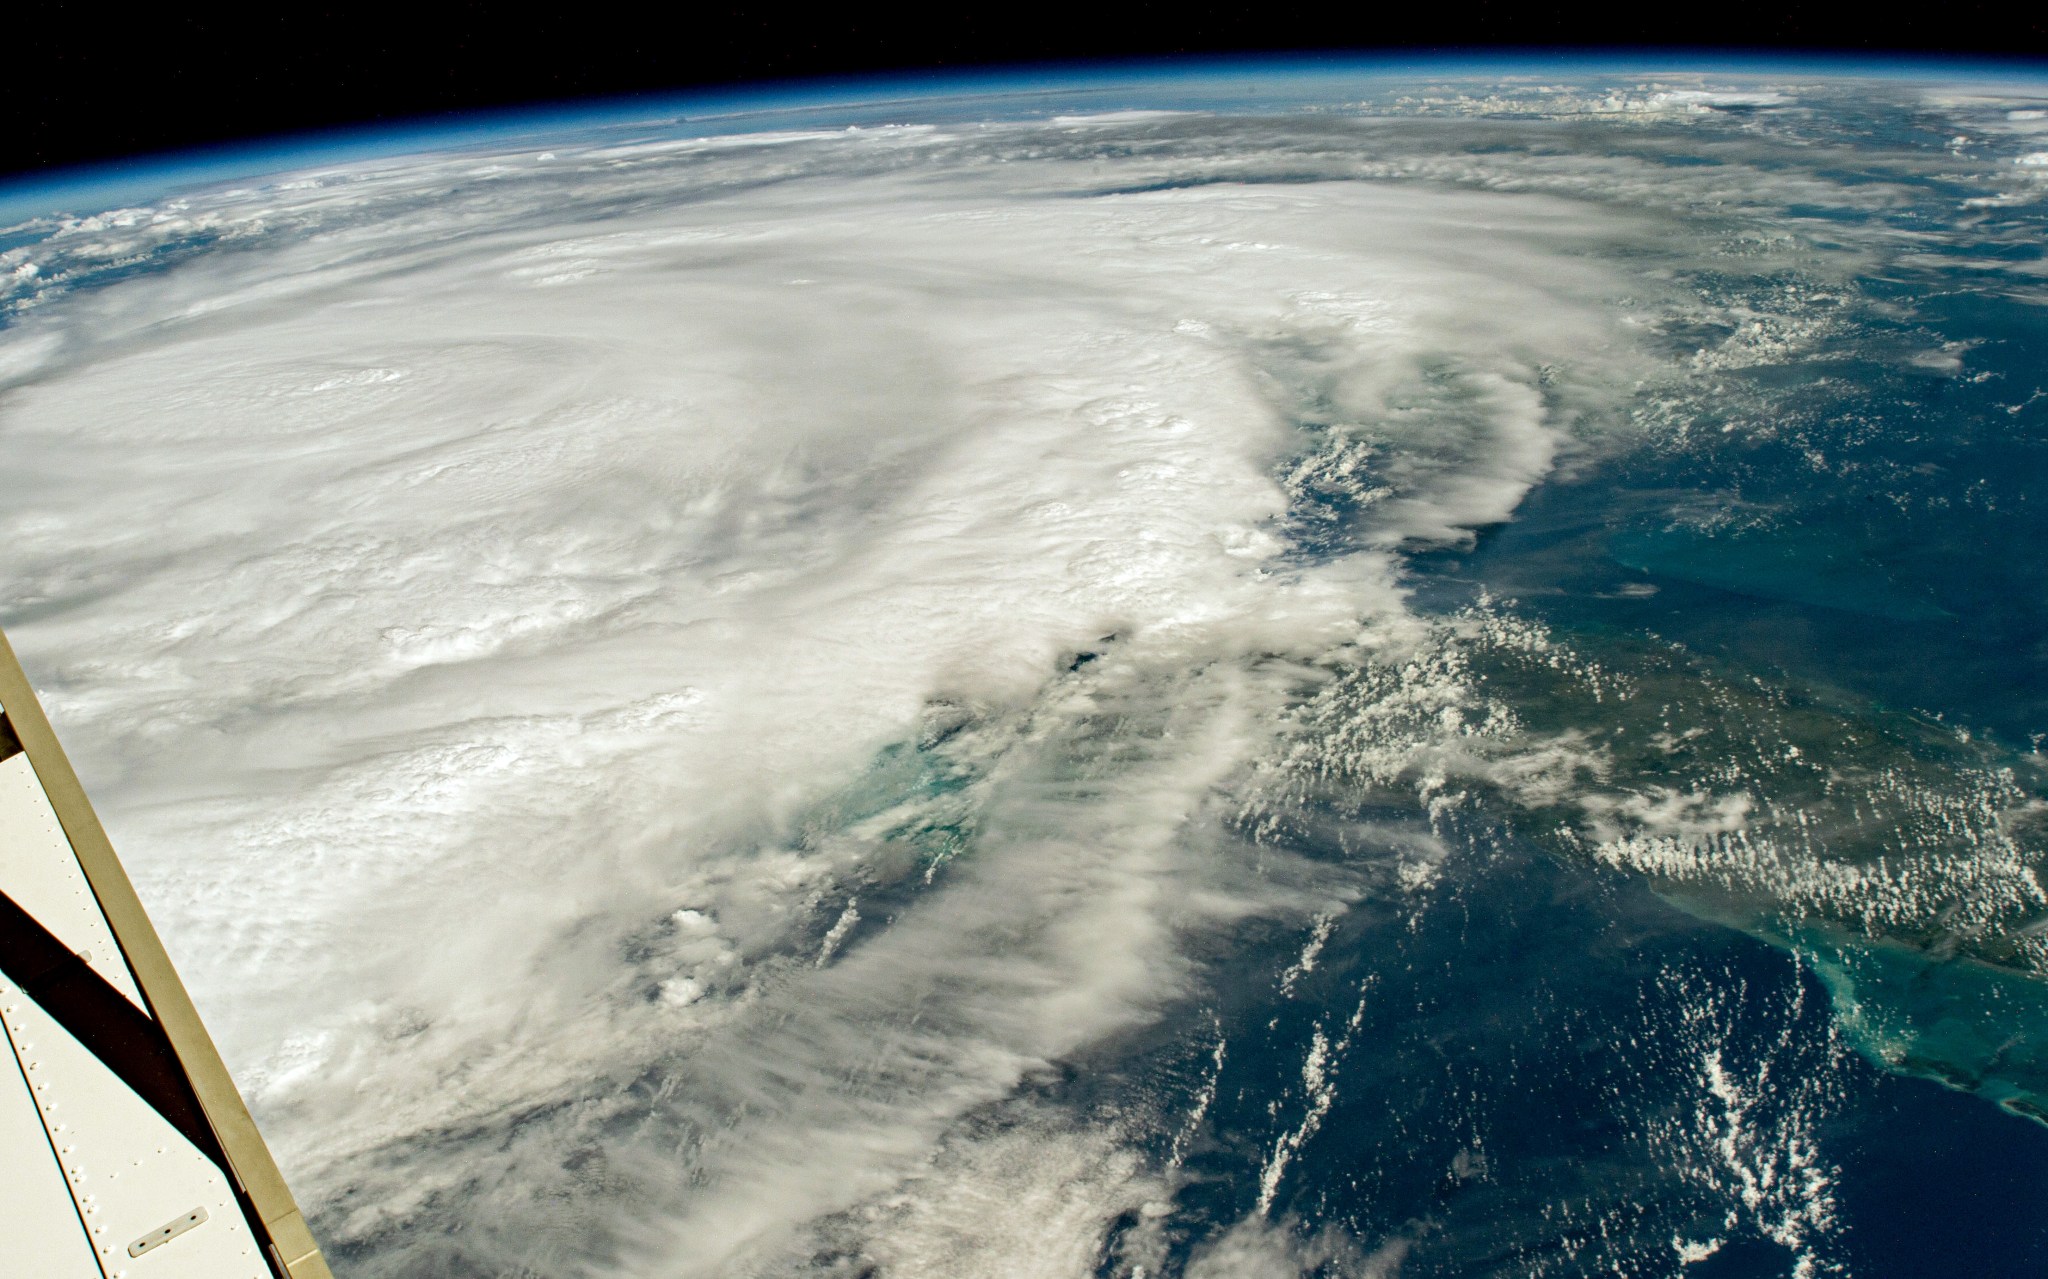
point(585, 652)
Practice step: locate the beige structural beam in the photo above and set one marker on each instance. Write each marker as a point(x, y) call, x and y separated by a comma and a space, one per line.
point(282, 1228)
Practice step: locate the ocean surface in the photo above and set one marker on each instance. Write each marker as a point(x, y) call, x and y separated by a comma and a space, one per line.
point(1339, 669)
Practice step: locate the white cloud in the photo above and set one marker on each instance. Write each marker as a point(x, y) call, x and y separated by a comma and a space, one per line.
point(490, 684)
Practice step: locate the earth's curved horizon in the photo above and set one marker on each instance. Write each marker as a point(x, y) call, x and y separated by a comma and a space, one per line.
point(1256, 670)
point(83, 187)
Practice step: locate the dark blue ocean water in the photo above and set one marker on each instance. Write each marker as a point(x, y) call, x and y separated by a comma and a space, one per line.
point(1525, 1092)
point(1868, 531)
point(1555, 1070)
point(1541, 1066)
point(1882, 539)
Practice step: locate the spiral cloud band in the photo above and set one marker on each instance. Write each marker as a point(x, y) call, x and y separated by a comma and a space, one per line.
point(663, 691)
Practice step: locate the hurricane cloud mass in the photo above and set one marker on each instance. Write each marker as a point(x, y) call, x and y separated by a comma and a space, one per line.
point(658, 689)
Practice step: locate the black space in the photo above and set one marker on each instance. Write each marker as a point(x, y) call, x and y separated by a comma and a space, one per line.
point(85, 83)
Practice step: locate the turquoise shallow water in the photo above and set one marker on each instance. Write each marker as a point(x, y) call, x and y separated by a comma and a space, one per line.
point(1870, 549)
point(1687, 915)
point(1860, 529)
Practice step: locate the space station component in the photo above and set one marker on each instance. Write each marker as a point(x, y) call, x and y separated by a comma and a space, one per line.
point(125, 1150)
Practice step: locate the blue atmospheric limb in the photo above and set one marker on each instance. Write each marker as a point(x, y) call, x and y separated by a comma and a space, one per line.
point(1334, 666)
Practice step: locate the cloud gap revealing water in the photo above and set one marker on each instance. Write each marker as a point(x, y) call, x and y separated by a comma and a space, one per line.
point(1389, 676)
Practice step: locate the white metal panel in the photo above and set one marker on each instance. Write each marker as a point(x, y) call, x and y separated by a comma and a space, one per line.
point(44, 1238)
point(39, 871)
point(130, 1173)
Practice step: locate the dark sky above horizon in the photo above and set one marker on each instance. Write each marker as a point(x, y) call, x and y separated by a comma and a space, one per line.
point(84, 85)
